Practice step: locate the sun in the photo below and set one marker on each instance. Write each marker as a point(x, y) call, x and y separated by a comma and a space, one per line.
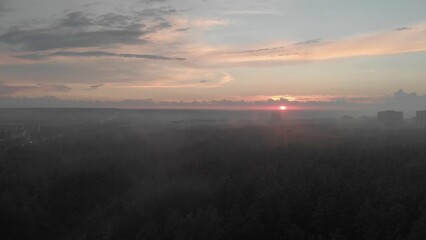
point(283, 108)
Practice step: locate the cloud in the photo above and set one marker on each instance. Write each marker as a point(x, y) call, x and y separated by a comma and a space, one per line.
point(7, 89)
point(3, 7)
point(88, 50)
point(52, 88)
point(152, 1)
point(308, 42)
point(207, 23)
point(262, 49)
point(47, 39)
point(411, 39)
point(33, 56)
point(114, 20)
point(124, 74)
point(80, 30)
point(160, 26)
point(95, 87)
point(252, 12)
point(182, 29)
point(402, 29)
point(95, 54)
point(405, 101)
point(81, 71)
point(76, 20)
point(185, 78)
point(155, 12)
point(90, 4)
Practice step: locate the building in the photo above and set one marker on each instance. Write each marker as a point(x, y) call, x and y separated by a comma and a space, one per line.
point(390, 118)
point(421, 118)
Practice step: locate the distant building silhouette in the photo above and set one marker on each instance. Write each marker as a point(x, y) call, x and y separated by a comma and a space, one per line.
point(391, 118)
point(346, 121)
point(421, 118)
point(346, 118)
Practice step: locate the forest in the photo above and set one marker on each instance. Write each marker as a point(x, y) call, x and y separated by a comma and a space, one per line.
point(120, 180)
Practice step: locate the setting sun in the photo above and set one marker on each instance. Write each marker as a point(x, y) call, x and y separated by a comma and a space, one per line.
point(283, 108)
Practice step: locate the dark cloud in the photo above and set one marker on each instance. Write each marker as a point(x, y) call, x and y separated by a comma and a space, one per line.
point(182, 29)
point(95, 87)
point(154, 57)
point(46, 39)
point(80, 30)
point(115, 20)
point(155, 12)
point(33, 56)
point(262, 49)
point(402, 29)
point(53, 88)
point(53, 102)
point(96, 54)
point(77, 72)
point(153, 1)
point(160, 26)
point(308, 42)
point(289, 54)
point(76, 20)
point(90, 4)
point(8, 89)
point(3, 7)
point(48, 102)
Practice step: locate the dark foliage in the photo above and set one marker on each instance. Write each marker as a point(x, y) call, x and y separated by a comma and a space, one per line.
point(253, 182)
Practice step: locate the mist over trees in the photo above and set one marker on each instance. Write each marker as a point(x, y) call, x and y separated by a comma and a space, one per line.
point(120, 179)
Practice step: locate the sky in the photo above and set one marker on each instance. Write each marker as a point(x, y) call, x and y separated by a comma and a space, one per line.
point(361, 52)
